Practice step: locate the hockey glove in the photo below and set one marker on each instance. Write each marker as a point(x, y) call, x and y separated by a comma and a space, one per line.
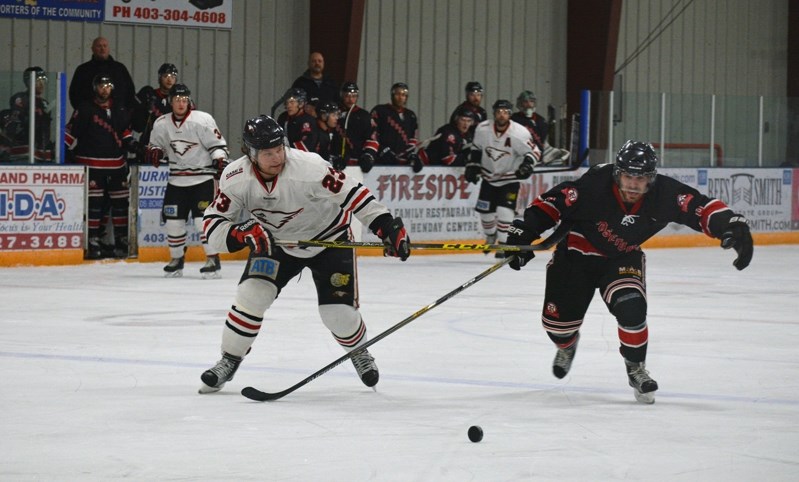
point(737, 236)
point(154, 155)
point(520, 234)
point(131, 145)
point(416, 162)
point(525, 170)
point(473, 172)
point(338, 162)
point(220, 165)
point(250, 233)
point(366, 161)
point(387, 156)
point(395, 238)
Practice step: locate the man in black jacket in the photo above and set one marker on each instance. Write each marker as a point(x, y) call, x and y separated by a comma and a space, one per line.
point(314, 81)
point(81, 89)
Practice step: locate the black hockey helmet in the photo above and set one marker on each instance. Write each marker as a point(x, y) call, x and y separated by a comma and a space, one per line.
point(327, 107)
point(399, 86)
point(349, 88)
point(636, 159)
point(502, 104)
point(167, 69)
point(102, 79)
point(179, 90)
point(463, 111)
point(40, 75)
point(297, 94)
point(473, 86)
point(262, 132)
point(525, 95)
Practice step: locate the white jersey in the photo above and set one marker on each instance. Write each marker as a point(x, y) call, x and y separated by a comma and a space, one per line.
point(503, 153)
point(191, 145)
point(308, 200)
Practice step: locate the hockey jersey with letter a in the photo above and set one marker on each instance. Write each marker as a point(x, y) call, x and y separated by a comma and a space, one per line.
point(191, 145)
point(502, 153)
point(308, 200)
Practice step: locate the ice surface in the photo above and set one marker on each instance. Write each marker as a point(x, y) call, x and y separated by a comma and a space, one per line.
point(102, 364)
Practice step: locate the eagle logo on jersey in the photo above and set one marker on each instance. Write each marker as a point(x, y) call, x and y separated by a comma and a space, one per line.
point(496, 154)
point(181, 147)
point(275, 219)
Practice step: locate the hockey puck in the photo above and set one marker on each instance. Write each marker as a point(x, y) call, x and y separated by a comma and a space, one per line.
point(475, 433)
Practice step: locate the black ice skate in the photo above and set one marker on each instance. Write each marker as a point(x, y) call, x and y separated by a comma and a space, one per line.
point(94, 250)
point(211, 268)
point(563, 359)
point(643, 386)
point(175, 268)
point(121, 247)
point(215, 378)
point(366, 368)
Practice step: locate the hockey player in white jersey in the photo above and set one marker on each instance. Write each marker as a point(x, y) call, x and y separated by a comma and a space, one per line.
point(503, 153)
point(191, 143)
point(277, 192)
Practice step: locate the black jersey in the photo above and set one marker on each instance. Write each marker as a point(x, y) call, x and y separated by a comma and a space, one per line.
point(19, 103)
point(397, 129)
point(537, 125)
point(328, 144)
point(301, 130)
point(359, 136)
point(447, 149)
point(151, 104)
point(97, 135)
point(603, 225)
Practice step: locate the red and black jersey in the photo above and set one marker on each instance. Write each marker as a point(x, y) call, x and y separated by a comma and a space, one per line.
point(537, 125)
point(478, 112)
point(328, 144)
point(396, 129)
point(301, 130)
point(151, 104)
point(447, 149)
point(603, 225)
point(360, 134)
point(97, 134)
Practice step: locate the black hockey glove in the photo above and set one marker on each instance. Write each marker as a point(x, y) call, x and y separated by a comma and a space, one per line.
point(131, 145)
point(520, 234)
point(220, 165)
point(338, 162)
point(395, 238)
point(416, 162)
point(366, 161)
point(473, 172)
point(387, 156)
point(525, 170)
point(250, 233)
point(737, 236)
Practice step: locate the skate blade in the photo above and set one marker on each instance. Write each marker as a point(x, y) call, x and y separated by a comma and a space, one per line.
point(174, 274)
point(648, 398)
point(212, 275)
point(206, 389)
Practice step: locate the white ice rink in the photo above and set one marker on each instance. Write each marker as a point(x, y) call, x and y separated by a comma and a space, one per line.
point(101, 366)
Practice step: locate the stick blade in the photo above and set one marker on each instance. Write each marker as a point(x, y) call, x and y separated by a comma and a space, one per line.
point(259, 396)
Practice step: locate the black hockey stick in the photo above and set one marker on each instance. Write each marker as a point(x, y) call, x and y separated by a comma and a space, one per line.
point(259, 396)
point(426, 246)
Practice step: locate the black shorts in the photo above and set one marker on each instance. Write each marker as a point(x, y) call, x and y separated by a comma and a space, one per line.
point(333, 272)
point(572, 279)
point(180, 201)
point(492, 196)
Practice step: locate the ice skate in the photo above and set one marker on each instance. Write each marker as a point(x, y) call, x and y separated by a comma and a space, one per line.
point(175, 268)
point(563, 359)
point(94, 250)
point(215, 378)
point(211, 268)
point(643, 386)
point(490, 239)
point(366, 368)
point(121, 248)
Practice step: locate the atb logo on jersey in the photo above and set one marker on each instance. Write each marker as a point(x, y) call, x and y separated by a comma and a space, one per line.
point(264, 268)
point(628, 219)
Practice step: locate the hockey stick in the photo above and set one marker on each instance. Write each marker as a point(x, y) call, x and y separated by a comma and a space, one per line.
point(426, 246)
point(346, 124)
point(259, 396)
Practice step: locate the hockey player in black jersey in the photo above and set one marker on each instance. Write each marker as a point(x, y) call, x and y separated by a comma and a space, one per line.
point(397, 130)
point(474, 99)
point(613, 209)
point(300, 127)
point(356, 129)
point(450, 146)
point(152, 103)
point(329, 140)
